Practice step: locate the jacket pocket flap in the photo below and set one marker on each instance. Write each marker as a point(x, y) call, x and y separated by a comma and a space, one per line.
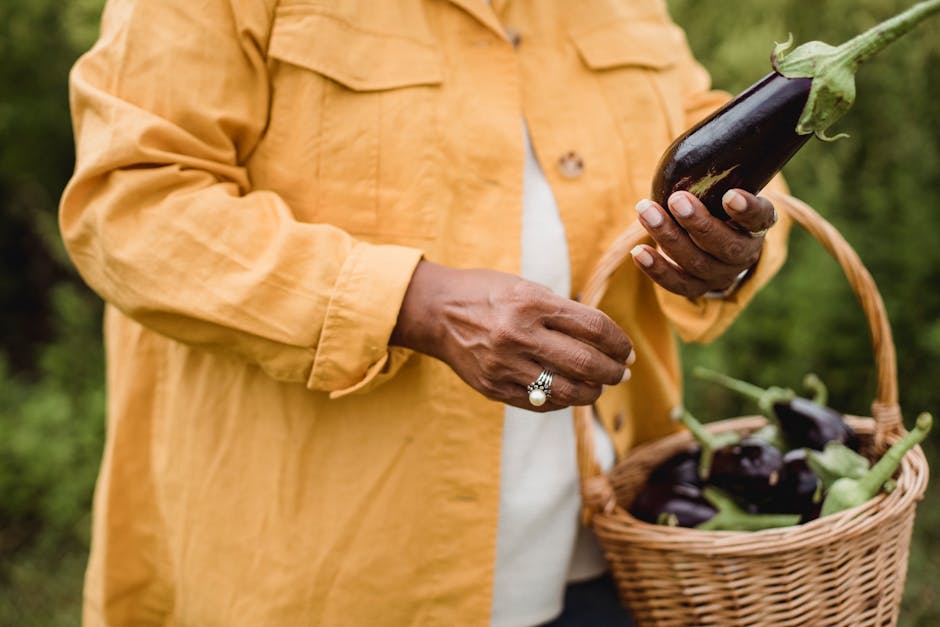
point(360, 60)
point(646, 44)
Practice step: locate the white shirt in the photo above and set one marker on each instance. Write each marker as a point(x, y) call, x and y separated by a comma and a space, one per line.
point(540, 543)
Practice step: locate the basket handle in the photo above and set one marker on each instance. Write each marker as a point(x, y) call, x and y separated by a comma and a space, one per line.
point(597, 494)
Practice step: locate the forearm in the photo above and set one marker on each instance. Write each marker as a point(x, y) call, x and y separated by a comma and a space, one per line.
point(161, 220)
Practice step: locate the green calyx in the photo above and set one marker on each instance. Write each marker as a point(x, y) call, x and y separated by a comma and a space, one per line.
point(848, 492)
point(832, 93)
point(836, 462)
point(709, 442)
point(833, 68)
point(730, 516)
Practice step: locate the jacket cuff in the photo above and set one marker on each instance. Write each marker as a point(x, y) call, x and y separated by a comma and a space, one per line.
point(352, 354)
point(703, 319)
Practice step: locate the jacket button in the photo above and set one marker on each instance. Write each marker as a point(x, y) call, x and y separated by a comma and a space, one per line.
point(571, 165)
point(513, 36)
point(618, 421)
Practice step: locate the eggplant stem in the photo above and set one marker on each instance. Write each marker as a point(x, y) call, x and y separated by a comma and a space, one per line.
point(818, 493)
point(710, 442)
point(736, 385)
point(730, 517)
point(771, 397)
point(865, 45)
point(814, 384)
point(884, 468)
point(765, 398)
point(832, 68)
point(667, 519)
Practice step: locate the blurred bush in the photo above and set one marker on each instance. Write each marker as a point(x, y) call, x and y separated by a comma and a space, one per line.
point(51, 433)
point(879, 188)
point(51, 358)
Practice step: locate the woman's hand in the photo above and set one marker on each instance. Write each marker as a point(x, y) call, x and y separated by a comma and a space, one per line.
point(701, 253)
point(498, 331)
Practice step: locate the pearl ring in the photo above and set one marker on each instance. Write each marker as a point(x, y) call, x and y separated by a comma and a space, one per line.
point(540, 390)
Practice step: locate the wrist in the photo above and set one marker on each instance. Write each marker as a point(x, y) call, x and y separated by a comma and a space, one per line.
point(416, 327)
point(743, 276)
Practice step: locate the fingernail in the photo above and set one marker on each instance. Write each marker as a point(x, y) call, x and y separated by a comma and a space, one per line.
point(631, 358)
point(734, 200)
point(626, 375)
point(649, 213)
point(640, 254)
point(680, 205)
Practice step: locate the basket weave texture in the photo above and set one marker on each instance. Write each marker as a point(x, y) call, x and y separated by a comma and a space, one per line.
point(845, 569)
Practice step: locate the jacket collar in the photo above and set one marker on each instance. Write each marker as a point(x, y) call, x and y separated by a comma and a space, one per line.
point(485, 14)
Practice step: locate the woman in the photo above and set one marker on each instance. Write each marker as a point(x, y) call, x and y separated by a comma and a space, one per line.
point(333, 400)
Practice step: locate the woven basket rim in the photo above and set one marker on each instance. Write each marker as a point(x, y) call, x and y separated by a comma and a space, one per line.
point(911, 484)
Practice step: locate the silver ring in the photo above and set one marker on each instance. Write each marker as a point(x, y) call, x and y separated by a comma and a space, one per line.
point(763, 232)
point(540, 390)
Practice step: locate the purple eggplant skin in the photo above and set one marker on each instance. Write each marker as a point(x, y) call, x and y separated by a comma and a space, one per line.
point(681, 468)
point(748, 470)
point(797, 492)
point(741, 145)
point(808, 424)
point(684, 501)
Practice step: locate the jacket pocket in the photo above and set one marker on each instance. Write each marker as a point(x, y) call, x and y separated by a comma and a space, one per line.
point(355, 117)
point(636, 64)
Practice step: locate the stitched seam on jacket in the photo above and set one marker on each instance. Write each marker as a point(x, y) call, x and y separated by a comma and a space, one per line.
point(346, 24)
point(322, 376)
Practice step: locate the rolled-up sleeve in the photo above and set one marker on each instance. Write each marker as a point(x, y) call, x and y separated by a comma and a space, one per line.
point(161, 219)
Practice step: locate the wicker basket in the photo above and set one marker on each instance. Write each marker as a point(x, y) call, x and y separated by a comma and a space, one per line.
point(844, 569)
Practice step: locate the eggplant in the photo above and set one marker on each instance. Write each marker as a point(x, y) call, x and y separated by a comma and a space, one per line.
point(771, 434)
point(681, 468)
point(803, 422)
point(799, 490)
point(746, 142)
point(742, 145)
point(810, 425)
point(708, 442)
point(748, 470)
point(672, 504)
point(706, 509)
point(846, 493)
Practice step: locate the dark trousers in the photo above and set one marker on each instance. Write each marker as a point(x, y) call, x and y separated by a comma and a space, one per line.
point(592, 603)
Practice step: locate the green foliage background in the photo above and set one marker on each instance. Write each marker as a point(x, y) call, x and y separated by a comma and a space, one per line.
point(879, 188)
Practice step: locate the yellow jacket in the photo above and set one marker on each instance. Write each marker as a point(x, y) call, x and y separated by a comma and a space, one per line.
point(254, 186)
